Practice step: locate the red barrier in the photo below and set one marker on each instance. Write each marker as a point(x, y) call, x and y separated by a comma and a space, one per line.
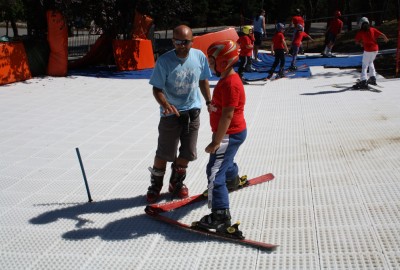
point(57, 36)
point(13, 63)
point(133, 54)
point(203, 42)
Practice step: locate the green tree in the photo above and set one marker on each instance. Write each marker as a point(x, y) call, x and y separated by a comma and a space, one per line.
point(11, 12)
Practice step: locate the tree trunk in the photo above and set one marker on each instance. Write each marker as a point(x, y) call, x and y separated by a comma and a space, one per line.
point(14, 27)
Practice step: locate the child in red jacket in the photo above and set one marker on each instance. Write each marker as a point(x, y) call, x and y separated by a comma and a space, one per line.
point(278, 48)
point(246, 43)
point(300, 34)
point(367, 37)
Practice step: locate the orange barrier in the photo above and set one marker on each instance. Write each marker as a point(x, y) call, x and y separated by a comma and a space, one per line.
point(203, 42)
point(13, 63)
point(141, 26)
point(133, 54)
point(57, 36)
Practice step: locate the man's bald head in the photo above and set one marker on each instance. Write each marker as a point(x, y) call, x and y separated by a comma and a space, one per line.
point(183, 32)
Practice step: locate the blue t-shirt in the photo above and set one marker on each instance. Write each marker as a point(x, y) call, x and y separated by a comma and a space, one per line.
point(179, 78)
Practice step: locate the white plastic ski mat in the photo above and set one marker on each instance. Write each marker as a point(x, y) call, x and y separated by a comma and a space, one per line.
point(333, 204)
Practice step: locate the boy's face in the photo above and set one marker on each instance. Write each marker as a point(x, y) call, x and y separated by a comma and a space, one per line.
point(211, 63)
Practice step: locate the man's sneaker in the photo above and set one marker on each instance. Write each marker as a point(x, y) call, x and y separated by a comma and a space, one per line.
point(361, 85)
point(218, 220)
point(156, 179)
point(176, 185)
point(372, 80)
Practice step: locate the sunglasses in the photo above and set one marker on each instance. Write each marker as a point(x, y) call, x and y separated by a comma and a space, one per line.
point(181, 42)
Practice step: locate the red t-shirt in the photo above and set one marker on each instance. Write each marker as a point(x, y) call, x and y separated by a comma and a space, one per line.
point(335, 26)
point(368, 39)
point(299, 37)
point(246, 45)
point(297, 20)
point(229, 92)
point(278, 39)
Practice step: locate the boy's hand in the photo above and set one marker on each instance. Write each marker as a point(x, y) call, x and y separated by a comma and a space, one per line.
point(212, 147)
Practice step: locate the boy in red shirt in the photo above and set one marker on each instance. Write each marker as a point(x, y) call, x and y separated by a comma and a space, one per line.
point(298, 37)
point(229, 132)
point(278, 48)
point(334, 29)
point(367, 37)
point(246, 42)
point(297, 19)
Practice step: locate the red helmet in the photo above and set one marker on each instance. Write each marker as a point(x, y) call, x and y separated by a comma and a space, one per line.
point(225, 54)
point(338, 13)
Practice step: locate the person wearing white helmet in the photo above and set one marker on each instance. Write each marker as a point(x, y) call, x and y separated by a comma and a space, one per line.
point(334, 29)
point(367, 37)
point(278, 49)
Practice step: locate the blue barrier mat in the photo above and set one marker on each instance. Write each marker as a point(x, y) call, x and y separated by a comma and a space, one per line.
point(262, 67)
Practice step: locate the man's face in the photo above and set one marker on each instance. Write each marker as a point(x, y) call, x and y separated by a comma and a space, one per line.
point(183, 43)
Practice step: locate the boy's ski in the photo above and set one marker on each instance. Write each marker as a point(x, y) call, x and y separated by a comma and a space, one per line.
point(172, 205)
point(370, 88)
point(220, 236)
point(287, 73)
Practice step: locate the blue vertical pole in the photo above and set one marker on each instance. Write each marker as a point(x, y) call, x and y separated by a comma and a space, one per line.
point(84, 175)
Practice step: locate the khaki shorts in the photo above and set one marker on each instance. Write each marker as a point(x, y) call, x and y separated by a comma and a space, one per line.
point(173, 130)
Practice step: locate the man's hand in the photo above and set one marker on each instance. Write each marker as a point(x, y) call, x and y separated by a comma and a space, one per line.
point(169, 109)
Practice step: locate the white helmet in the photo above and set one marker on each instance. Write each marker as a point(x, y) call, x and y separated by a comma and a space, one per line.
point(362, 21)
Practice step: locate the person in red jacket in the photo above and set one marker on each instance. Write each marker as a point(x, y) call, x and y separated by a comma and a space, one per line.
point(297, 19)
point(367, 37)
point(245, 41)
point(334, 29)
point(278, 48)
point(296, 43)
point(229, 130)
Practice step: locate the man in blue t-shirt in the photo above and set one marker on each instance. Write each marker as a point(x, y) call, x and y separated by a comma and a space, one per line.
point(177, 78)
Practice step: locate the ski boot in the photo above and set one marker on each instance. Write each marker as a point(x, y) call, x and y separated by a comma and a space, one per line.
point(281, 74)
point(220, 221)
point(236, 183)
point(292, 68)
point(270, 74)
point(157, 177)
point(176, 185)
point(372, 80)
point(361, 85)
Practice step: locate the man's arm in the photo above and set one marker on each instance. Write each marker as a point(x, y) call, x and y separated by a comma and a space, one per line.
point(223, 125)
point(160, 98)
point(205, 90)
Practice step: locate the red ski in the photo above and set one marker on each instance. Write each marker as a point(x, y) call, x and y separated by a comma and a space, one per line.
point(226, 237)
point(172, 205)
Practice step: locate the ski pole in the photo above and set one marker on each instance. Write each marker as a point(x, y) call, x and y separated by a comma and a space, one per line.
point(84, 175)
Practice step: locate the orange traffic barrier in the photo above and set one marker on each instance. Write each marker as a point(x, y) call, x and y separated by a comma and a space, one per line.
point(13, 63)
point(133, 54)
point(203, 42)
point(57, 37)
point(141, 25)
